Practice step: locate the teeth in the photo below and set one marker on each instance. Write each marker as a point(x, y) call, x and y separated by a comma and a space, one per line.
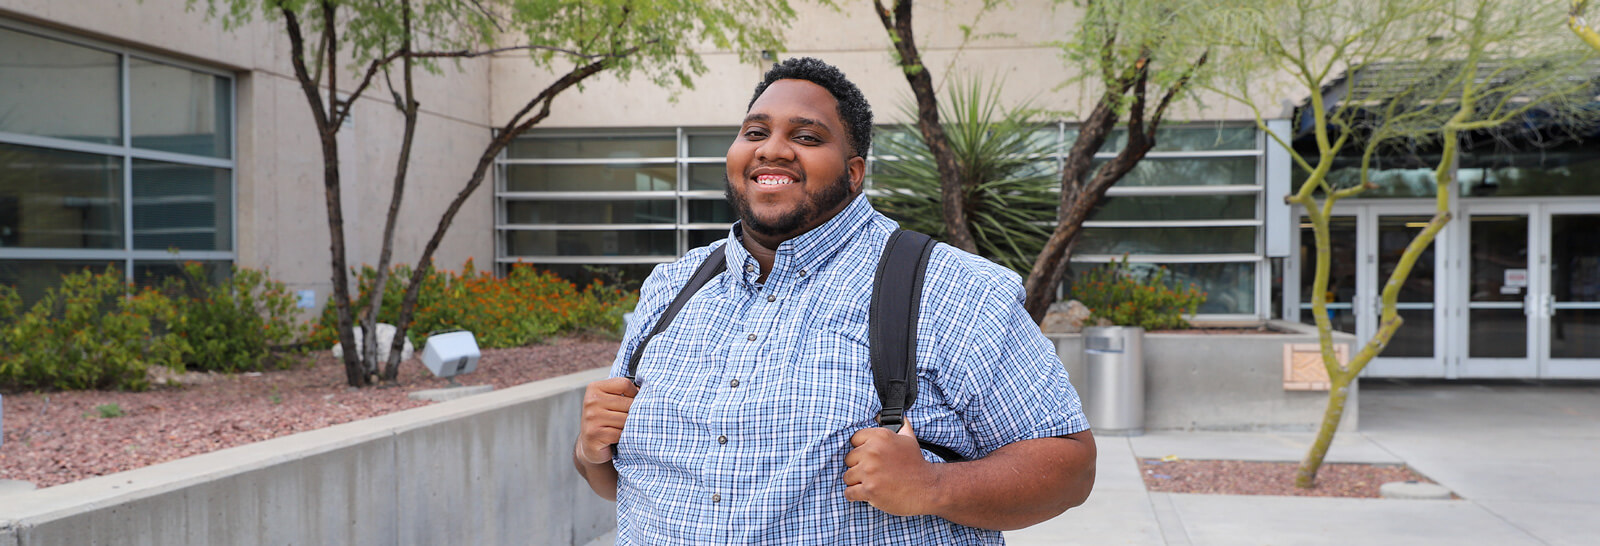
point(774, 179)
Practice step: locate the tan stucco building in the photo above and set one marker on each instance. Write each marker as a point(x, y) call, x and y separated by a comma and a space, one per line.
point(142, 133)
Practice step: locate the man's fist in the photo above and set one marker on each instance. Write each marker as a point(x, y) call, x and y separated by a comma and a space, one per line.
point(605, 410)
point(886, 470)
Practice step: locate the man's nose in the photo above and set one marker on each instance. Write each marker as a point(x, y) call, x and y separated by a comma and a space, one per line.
point(775, 148)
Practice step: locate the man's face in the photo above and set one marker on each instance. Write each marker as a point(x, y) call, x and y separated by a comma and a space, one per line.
point(791, 168)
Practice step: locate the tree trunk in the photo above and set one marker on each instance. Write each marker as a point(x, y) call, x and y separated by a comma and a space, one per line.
point(958, 231)
point(408, 107)
point(327, 131)
point(1040, 287)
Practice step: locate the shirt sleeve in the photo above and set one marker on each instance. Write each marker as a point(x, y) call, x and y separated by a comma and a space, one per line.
point(1015, 387)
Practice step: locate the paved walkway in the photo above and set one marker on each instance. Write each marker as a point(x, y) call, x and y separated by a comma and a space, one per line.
point(1521, 457)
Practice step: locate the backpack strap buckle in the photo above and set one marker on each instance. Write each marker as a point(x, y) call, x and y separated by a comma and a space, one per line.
point(891, 418)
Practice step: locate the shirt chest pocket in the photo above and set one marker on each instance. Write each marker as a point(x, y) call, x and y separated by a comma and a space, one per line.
point(828, 380)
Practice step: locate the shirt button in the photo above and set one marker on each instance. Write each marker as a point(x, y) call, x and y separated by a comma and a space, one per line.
point(802, 272)
point(716, 497)
point(752, 337)
point(722, 440)
point(749, 269)
point(771, 298)
point(733, 383)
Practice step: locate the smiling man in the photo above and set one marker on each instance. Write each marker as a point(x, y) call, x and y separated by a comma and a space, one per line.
point(752, 420)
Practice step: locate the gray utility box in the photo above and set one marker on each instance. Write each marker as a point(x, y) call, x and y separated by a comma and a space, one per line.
point(1113, 396)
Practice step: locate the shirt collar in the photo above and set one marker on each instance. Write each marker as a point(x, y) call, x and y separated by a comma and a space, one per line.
point(809, 250)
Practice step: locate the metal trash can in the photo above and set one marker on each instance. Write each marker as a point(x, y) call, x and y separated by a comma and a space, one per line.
point(1113, 358)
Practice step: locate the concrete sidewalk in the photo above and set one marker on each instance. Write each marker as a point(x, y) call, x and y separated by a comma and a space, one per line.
point(1521, 458)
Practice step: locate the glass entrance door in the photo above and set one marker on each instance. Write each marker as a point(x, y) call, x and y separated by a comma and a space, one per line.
point(1413, 351)
point(1501, 295)
point(1569, 325)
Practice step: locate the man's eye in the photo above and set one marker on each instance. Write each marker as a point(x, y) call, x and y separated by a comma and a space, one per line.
point(808, 138)
point(755, 133)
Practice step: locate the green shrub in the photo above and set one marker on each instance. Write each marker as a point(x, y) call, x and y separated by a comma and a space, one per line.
point(244, 323)
point(94, 331)
point(108, 411)
point(524, 307)
point(1123, 296)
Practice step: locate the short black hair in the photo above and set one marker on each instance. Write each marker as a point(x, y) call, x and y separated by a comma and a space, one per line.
point(853, 108)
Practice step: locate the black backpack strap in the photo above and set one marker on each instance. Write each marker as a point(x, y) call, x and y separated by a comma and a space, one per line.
point(892, 329)
point(708, 269)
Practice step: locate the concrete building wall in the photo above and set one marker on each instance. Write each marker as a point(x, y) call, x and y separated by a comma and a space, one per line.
point(493, 468)
point(853, 39)
point(281, 211)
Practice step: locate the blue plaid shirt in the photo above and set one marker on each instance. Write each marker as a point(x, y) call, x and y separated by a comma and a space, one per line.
point(748, 400)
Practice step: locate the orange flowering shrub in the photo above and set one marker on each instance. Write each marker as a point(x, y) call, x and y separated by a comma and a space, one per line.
point(1125, 297)
point(524, 307)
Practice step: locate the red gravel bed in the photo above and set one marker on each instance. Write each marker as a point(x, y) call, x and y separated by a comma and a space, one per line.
point(59, 437)
point(1270, 478)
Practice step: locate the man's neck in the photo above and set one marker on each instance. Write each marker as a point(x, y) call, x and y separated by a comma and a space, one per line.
point(763, 254)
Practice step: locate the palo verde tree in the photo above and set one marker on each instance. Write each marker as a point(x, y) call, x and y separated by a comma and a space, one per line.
point(1580, 25)
point(1383, 74)
point(572, 40)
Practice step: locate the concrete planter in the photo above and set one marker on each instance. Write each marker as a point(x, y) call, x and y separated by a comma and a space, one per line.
point(1197, 381)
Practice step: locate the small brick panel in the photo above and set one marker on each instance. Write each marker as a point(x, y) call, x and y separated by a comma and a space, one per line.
point(1303, 369)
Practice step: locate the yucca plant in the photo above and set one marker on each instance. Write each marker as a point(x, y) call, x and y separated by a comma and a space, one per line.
point(1007, 170)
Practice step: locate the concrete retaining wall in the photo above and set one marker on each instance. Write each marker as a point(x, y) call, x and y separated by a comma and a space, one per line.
point(494, 468)
point(1221, 382)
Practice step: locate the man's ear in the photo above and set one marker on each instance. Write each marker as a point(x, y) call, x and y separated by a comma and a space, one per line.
point(857, 167)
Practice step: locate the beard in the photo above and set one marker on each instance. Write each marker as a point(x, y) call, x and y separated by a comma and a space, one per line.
point(806, 213)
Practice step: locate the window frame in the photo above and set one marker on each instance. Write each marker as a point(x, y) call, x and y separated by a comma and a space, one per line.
point(126, 153)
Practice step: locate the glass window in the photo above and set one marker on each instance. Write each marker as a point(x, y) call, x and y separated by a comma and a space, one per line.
point(186, 207)
point(1390, 182)
point(59, 199)
point(32, 278)
point(711, 144)
point(56, 89)
point(1229, 287)
point(592, 212)
point(76, 196)
point(1341, 291)
point(606, 147)
point(621, 177)
point(702, 237)
point(591, 243)
point(1568, 169)
point(1216, 171)
point(628, 276)
point(1189, 200)
point(1177, 207)
point(709, 211)
point(1182, 139)
point(708, 177)
point(1215, 240)
point(152, 272)
point(179, 110)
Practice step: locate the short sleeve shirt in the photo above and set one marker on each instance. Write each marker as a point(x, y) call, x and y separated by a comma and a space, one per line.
point(748, 400)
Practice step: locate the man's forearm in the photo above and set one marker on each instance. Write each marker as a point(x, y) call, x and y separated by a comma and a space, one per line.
point(1018, 485)
point(602, 477)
